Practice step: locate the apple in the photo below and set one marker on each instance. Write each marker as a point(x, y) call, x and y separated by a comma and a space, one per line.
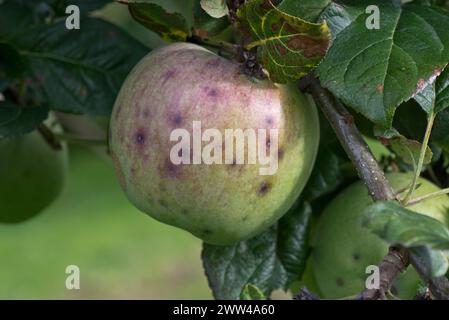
point(342, 248)
point(172, 142)
point(32, 175)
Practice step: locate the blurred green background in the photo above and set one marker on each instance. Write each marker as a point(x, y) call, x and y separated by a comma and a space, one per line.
point(121, 252)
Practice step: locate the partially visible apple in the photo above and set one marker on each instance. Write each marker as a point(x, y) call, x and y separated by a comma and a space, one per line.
point(343, 248)
point(32, 175)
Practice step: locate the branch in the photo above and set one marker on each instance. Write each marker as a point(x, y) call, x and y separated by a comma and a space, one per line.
point(397, 260)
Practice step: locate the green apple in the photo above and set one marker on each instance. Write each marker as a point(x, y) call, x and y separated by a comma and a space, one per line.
point(177, 86)
point(343, 248)
point(32, 175)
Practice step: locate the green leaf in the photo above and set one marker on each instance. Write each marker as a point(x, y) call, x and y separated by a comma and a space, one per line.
point(288, 47)
point(215, 8)
point(16, 121)
point(251, 292)
point(435, 262)
point(271, 260)
point(85, 6)
point(11, 65)
point(373, 71)
point(204, 25)
point(308, 10)
point(426, 98)
point(398, 225)
point(409, 150)
point(79, 71)
point(442, 91)
point(326, 176)
point(169, 26)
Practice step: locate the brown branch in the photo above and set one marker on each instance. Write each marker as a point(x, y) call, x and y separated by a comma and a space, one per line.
point(397, 260)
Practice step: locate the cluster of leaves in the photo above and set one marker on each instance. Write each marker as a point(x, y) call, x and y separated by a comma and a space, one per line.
point(45, 66)
point(394, 78)
point(375, 72)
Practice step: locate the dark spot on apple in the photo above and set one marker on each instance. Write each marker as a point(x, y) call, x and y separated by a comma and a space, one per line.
point(140, 137)
point(340, 282)
point(263, 189)
point(168, 75)
point(212, 93)
point(176, 119)
point(269, 120)
point(172, 170)
point(280, 154)
point(146, 114)
point(213, 63)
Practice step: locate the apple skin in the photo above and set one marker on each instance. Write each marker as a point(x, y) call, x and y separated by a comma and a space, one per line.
point(32, 175)
point(342, 248)
point(221, 204)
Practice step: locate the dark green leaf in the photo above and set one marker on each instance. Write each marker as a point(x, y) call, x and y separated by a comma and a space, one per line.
point(373, 71)
point(79, 71)
point(85, 6)
point(11, 65)
point(308, 10)
point(442, 91)
point(272, 260)
point(17, 121)
point(398, 225)
point(435, 262)
point(215, 8)
point(288, 47)
point(251, 292)
point(426, 98)
point(169, 26)
point(326, 175)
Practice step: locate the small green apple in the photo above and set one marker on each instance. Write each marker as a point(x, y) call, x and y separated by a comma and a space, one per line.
point(32, 175)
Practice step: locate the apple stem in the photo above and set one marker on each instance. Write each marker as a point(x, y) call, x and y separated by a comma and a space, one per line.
point(70, 138)
point(422, 156)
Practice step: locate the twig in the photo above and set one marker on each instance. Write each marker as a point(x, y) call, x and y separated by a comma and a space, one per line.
point(49, 137)
point(305, 294)
point(371, 174)
point(352, 141)
point(439, 287)
point(221, 45)
point(395, 262)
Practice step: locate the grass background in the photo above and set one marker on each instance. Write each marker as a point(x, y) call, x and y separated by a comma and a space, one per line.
point(121, 252)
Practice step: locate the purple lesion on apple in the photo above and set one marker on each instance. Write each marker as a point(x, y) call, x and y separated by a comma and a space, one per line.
point(176, 119)
point(140, 137)
point(213, 62)
point(168, 75)
point(171, 170)
point(264, 188)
